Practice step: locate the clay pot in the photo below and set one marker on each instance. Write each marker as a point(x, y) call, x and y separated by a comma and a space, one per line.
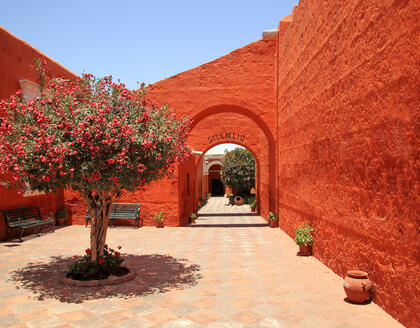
point(238, 200)
point(159, 224)
point(305, 250)
point(357, 286)
point(61, 221)
point(273, 223)
point(253, 209)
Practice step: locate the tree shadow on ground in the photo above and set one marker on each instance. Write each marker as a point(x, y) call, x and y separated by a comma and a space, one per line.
point(155, 274)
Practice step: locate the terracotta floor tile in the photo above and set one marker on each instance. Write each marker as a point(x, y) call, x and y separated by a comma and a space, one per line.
point(243, 303)
point(34, 314)
point(206, 302)
point(166, 302)
point(161, 316)
point(247, 276)
point(118, 315)
point(76, 315)
point(247, 317)
point(128, 302)
point(204, 317)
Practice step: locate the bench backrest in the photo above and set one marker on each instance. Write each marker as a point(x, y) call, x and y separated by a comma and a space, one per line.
point(26, 213)
point(125, 210)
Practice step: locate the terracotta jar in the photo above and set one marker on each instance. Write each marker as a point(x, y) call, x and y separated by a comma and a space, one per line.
point(239, 200)
point(305, 250)
point(357, 286)
point(159, 224)
point(273, 223)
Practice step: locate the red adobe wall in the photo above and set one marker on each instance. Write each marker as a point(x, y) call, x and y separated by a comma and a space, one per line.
point(161, 195)
point(241, 82)
point(16, 61)
point(348, 97)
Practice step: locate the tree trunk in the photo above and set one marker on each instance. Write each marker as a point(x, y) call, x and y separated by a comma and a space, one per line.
point(99, 207)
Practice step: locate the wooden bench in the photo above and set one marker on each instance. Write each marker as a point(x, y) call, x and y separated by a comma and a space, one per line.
point(122, 211)
point(24, 218)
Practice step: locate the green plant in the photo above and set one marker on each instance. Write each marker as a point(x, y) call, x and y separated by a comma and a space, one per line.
point(238, 170)
point(159, 217)
point(208, 195)
point(61, 213)
point(193, 216)
point(272, 216)
point(304, 235)
point(253, 205)
point(232, 199)
point(85, 269)
point(249, 199)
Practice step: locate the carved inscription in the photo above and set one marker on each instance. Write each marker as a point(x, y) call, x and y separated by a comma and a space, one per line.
point(226, 135)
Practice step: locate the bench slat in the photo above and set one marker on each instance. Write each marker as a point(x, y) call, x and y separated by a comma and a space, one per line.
point(123, 211)
point(23, 218)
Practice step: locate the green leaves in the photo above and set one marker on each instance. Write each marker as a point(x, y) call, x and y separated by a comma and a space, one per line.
point(304, 235)
point(238, 169)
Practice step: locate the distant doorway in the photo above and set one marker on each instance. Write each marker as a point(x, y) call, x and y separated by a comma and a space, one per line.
point(217, 187)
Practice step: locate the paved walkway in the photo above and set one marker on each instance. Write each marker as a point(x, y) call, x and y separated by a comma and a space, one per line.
point(228, 270)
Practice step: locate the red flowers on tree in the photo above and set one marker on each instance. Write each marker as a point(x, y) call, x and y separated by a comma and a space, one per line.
point(94, 136)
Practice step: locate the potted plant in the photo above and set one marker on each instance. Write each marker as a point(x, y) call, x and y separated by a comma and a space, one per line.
point(272, 218)
point(253, 205)
point(61, 215)
point(193, 217)
point(159, 219)
point(304, 239)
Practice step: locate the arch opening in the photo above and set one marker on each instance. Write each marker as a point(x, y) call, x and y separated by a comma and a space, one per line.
point(237, 126)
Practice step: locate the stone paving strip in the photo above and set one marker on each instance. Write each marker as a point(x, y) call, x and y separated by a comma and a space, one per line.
point(225, 271)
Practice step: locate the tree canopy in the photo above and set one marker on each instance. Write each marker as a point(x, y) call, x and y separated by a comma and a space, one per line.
point(238, 169)
point(92, 135)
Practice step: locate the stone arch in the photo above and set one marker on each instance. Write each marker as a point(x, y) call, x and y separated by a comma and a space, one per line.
point(206, 167)
point(268, 185)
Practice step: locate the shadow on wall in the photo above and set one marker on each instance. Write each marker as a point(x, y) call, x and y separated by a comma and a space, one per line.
point(155, 274)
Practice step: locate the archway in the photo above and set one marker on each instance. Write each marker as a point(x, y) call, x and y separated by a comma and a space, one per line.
point(238, 125)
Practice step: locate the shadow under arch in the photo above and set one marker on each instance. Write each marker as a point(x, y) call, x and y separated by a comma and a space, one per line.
point(231, 108)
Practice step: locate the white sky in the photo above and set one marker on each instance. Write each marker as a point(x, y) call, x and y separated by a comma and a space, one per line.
point(227, 146)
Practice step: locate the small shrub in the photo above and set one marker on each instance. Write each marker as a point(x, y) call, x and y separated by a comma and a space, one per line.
point(85, 269)
point(159, 217)
point(253, 204)
point(304, 235)
point(61, 214)
point(272, 216)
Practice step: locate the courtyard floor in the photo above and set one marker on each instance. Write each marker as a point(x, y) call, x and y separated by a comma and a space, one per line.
point(228, 270)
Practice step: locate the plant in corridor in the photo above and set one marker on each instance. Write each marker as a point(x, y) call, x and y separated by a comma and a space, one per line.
point(253, 205)
point(193, 217)
point(304, 235)
point(94, 136)
point(272, 219)
point(238, 170)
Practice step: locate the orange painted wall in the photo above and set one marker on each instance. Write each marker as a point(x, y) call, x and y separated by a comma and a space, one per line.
point(159, 196)
point(16, 61)
point(348, 115)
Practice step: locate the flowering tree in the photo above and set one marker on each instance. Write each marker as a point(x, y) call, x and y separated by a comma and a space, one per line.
point(94, 136)
point(238, 169)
